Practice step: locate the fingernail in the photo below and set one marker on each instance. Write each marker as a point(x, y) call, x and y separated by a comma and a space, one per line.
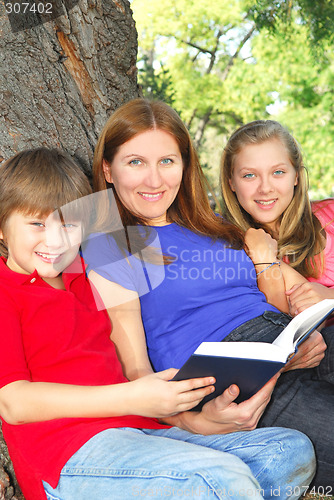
point(233, 390)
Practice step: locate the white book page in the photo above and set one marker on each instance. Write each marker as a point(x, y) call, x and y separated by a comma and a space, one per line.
point(281, 348)
point(305, 321)
point(248, 350)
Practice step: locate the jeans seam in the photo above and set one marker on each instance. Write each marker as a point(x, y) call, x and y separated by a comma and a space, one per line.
point(107, 472)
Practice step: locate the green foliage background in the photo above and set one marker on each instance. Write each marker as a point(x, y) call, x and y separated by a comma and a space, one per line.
point(222, 64)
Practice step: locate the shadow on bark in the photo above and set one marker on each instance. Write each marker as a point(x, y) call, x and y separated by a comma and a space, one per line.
point(9, 488)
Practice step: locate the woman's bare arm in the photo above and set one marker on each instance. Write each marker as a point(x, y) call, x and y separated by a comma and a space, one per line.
point(128, 333)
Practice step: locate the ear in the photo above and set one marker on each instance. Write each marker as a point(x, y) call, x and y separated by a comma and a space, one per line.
point(296, 180)
point(106, 167)
point(1, 235)
point(230, 181)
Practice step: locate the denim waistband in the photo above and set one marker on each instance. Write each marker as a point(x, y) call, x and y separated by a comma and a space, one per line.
point(264, 328)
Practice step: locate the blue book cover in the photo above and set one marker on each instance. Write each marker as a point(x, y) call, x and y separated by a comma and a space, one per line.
point(250, 365)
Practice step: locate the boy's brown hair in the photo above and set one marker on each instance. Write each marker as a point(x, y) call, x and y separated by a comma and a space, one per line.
point(39, 181)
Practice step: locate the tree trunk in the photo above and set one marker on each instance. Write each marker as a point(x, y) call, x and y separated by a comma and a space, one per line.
point(61, 79)
point(59, 82)
point(9, 488)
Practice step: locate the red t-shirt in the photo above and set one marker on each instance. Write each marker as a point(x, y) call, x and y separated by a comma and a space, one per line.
point(59, 336)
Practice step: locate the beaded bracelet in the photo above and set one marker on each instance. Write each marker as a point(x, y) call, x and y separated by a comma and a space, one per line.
point(262, 263)
point(270, 265)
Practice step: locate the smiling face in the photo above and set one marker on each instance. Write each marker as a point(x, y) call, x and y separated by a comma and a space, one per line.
point(263, 179)
point(44, 244)
point(147, 172)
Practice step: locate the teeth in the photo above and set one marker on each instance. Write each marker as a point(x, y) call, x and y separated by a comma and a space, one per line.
point(265, 202)
point(155, 195)
point(48, 256)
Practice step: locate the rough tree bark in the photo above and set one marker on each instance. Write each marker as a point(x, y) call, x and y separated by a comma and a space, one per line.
point(9, 488)
point(59, 81)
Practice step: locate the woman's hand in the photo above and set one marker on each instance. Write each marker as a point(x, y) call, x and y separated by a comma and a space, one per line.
point(304, 295)
point(261, 247)
point(309, 353)
point(156, 395)
point(222, 415)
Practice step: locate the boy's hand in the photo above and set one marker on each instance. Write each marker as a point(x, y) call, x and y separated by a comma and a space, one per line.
point(155, 395)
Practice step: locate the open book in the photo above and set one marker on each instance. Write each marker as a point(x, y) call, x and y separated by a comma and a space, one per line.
point(250, 365)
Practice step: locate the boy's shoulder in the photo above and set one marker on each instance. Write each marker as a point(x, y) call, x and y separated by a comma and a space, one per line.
point(10, 297)
point(9, 278)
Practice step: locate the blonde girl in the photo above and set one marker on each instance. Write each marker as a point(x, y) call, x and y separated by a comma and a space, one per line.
point(264, 185)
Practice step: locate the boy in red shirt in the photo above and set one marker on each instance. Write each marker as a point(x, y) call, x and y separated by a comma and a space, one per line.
point(74, 426)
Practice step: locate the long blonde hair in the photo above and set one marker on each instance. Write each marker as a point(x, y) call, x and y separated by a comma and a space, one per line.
point(191, 208)
point(300, 236)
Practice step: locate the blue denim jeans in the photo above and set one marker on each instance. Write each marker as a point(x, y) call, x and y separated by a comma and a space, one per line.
point(120, 464)
point(302, 399)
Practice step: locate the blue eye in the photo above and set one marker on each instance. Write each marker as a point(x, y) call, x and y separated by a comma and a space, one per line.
point(68, 226)
point(279, 172)
point(37, 224)
point(166, 161)
point(248, 176)
point(135, 162)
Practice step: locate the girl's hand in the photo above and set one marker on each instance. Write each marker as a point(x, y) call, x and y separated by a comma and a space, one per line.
point(156, 395)
point(309, 353)
point(261, 247)
point(306, 294)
